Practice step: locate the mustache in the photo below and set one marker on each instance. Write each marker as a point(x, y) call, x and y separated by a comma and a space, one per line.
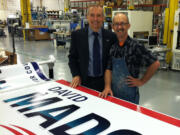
point(120, 30)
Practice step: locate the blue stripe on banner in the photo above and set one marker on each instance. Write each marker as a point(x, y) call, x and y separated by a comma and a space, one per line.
point(39, 72)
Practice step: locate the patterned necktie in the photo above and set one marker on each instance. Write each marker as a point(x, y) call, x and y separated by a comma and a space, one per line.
point(96, 55)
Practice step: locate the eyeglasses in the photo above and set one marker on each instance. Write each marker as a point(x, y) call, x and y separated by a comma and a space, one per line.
point(120, 24)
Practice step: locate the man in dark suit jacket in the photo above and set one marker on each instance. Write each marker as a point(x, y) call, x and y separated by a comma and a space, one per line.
point(82, 56)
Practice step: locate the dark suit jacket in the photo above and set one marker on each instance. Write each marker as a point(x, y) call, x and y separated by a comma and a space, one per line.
point(79, 51)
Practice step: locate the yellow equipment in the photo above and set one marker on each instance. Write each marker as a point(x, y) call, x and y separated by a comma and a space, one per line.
point(26, 14)
point(108, 11)
point(169, 26)
point(130, 4)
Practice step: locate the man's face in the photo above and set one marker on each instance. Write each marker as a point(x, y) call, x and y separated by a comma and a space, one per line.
point(121, 26)
point(95, 18)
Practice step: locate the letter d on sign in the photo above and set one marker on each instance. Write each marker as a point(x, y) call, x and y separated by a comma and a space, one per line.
point(102, 125)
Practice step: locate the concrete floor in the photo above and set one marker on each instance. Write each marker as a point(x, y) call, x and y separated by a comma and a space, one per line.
point(161, 93)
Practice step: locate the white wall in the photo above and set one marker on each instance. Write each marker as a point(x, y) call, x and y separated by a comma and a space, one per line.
point(36, 3)
point(13, 5)
point(9, 7)
point(53, 4)
point(49, 4)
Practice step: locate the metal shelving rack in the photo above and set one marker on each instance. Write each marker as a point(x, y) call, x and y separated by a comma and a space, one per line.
point(82, 6)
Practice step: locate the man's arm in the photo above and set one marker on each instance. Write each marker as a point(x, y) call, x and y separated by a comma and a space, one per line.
point(107, 90)
point(132, 82)
point(74, 62)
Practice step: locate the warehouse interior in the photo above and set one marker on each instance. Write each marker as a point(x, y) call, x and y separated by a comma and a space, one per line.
point(32, 30)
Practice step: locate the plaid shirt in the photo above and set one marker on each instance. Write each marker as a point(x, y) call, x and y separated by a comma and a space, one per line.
point(135, 54)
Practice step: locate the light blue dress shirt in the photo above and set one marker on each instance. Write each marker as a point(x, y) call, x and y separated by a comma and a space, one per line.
point(91, 41)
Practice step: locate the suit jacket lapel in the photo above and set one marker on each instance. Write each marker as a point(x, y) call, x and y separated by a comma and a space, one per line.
point(103, 46)
point(86, 43)
point(85, 47)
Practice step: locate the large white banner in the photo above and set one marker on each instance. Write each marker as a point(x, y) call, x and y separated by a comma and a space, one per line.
point(55, 109)
point(17, 76)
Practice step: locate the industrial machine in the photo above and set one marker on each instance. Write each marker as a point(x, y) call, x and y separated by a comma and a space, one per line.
point(108, 17)
point(176, 42)
point(141, 22)
point(12, 19)
point(107, 13)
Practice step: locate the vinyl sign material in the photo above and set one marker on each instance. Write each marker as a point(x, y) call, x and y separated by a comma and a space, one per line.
point(55, 109)
point(18, 76)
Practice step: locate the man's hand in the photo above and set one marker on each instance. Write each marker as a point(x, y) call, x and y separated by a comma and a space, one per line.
point(133, 82)
point(105, 93)
point(76, 81)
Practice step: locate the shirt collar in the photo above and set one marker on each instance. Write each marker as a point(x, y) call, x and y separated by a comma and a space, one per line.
point(90, 32)
point(127, 39)
point(126, 42)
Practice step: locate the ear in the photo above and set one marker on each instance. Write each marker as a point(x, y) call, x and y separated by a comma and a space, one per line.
point(129, 25)
point(103, 18)
point(112, 26)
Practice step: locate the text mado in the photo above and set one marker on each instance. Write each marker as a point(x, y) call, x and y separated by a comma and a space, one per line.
point(31, 100)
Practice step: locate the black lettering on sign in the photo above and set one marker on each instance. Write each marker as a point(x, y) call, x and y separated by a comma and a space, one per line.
point(28, 69)
point(55, 89)
point(80, 99)
point(50, 119)
point(34, 78)
point(69, 94)
point(30, 99)
point(22, 97)
point(42, 103)
point(124, 132)
point(103, 124)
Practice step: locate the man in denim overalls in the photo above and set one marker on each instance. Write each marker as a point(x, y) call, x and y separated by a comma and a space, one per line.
point(127, 56)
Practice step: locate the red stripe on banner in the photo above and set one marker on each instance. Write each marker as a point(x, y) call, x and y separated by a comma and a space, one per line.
point(25, 130)
point(122, 103)
point(129, 105)
point(109, 98)
point(84, 89)
point(160, 116)
point(12, 130)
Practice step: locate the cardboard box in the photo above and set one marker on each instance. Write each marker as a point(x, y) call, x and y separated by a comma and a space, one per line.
point(149, 2)
point(156, 10)
point(12, 58)
point(3, 60)
point(31, 35)
point(38, 34)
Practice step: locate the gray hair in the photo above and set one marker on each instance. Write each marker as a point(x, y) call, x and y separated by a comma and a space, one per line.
point(95, 6)
point(120, 13)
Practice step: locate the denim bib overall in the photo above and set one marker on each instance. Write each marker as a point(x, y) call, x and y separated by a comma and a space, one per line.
point(119, 86)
